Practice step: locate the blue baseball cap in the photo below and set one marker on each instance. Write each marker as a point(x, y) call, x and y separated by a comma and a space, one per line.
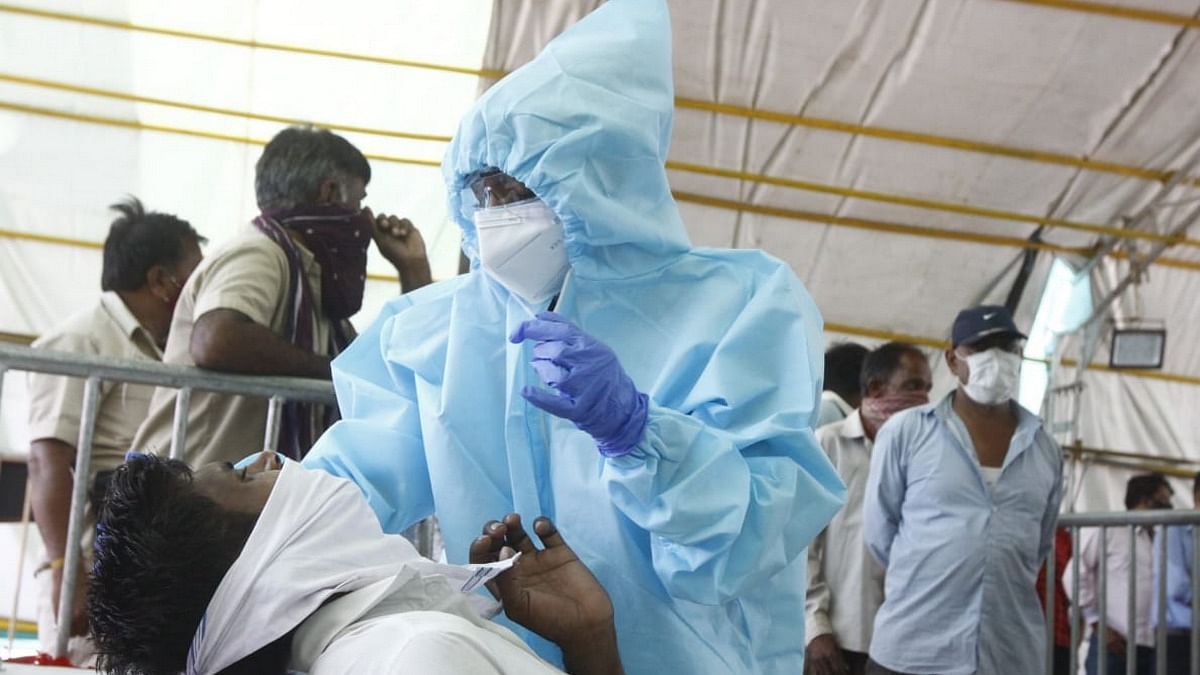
point(974, 324)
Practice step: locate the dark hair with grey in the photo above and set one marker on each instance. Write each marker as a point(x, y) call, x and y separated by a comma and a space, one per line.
point(295, 163)
point(883, 361)
point(1144, 486)
point(138, 240)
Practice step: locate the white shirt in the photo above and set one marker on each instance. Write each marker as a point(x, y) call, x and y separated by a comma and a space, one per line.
point(1117, 607)
point(845, 584)
point(833, 409)
point(991, 474)
point(379, 630)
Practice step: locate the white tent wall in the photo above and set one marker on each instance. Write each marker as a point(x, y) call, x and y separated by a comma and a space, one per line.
point(58, 176)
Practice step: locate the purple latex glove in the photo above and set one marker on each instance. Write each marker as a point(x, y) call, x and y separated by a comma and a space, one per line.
point(587, 384)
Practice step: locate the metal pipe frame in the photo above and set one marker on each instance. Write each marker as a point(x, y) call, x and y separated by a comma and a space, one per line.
point(1102, 623)
point(1131, 521)
point(1131, 606)
point(17, 357)
point(1126, 518)
point(1051, 586)
point(183, 403)
point(274, 420)
point(1075, 628)
point(1160, 633)
point(73, 557)
point(1195, 651)
point(95, 370)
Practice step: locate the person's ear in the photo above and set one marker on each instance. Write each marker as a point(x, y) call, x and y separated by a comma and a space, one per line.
point(956, 365)
point(158, 281)
point(329, 192)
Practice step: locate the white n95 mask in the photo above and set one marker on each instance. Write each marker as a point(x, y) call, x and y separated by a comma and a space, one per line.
point(521, 246)
point(993, 376)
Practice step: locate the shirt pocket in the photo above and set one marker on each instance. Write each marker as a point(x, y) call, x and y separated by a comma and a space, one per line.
point(129, 404)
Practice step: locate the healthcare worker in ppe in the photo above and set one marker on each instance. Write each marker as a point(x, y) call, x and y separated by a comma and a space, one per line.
point(660, 414)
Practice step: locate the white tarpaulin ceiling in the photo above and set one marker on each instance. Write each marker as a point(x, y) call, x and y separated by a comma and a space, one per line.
point(897, 154)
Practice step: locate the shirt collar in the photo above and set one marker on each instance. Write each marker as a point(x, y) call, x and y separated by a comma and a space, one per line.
point(116, 308)
point(828, 395)
point(130, 327)
point(1027, 422)
point(852, 426)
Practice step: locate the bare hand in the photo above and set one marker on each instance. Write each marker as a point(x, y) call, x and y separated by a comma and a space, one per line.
point(549, 591)
point(79, 619)
point(398, 239)
point(1114, 641)
point(823, 657)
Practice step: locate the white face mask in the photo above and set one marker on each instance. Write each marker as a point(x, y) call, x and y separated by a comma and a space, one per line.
point(521, 246)
point(993, 377)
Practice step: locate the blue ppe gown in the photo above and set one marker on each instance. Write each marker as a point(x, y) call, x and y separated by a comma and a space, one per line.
point(699, 534)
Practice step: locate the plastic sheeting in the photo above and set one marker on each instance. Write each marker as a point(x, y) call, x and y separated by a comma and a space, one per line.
point(1007, 73)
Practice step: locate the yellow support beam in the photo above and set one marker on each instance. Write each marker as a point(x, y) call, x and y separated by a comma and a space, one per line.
point(808, 186)
point(912, 230)
point(196, 133)
point(877, 225)
point(935, 140)
point(962, 144)
point(58, 85)
point(1104, 9)
point(930, 204)
point(808, 216)
point(240, 42)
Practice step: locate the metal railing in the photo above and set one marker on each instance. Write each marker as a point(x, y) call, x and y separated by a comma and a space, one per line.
point(1130, 522)
point(94, 371)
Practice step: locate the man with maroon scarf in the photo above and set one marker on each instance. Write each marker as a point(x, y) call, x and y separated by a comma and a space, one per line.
point(845, 584)
point(276, 299)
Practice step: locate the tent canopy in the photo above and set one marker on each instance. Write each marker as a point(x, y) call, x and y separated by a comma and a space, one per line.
point(899, 155)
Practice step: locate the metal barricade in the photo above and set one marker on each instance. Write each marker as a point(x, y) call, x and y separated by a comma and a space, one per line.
point(1125, 524)
point(95, 371)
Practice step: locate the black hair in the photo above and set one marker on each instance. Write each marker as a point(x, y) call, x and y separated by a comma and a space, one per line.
point(297, 160)
point(161, 551)
point(138, 240)
point(883, 361)
point(843, 366)
point(1142, 487)
point(1196, 484)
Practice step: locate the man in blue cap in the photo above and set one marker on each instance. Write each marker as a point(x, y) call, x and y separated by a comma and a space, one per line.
point(960, 510)
point(661, 414)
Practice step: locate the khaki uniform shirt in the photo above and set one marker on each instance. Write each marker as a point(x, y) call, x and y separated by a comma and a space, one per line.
point(106, 329)
point(248, 274)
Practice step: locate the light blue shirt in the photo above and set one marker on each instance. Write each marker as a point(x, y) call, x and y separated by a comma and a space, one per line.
point(961, 560)
point(1179, 578)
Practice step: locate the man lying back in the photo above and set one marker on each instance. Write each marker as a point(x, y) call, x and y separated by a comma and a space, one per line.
point(269, 570)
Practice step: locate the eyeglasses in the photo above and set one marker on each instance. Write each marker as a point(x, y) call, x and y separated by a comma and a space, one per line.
point(493, 187)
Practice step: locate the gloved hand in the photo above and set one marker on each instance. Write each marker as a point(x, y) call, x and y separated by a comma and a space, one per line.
point(588, 384)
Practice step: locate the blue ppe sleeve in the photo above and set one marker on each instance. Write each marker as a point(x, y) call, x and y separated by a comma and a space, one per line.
point(378, 443)
point(886, 485)
point(733, 491)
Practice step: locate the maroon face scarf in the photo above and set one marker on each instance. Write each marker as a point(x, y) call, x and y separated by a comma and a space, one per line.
point(338, 238)
point(878, 410)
